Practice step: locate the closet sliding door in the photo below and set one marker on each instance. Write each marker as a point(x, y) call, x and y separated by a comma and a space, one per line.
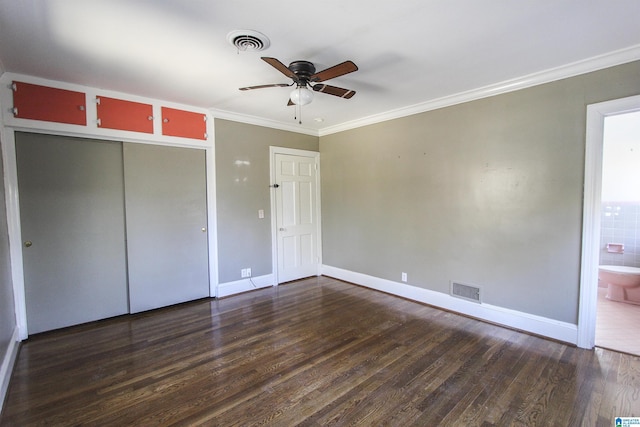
point(109, 228)
point(72, 220)
point(166, 217)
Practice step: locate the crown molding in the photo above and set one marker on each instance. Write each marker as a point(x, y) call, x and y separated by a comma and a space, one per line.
point(596, 63)
point(259, 121)
point(584, 66)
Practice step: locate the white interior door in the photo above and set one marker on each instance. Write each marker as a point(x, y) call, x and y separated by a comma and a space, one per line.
point(296, 217)
point(72, 219)
point(167, 247)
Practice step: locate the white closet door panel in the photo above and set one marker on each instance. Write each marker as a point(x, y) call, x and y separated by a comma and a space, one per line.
point(72, 219)
point(166, 217)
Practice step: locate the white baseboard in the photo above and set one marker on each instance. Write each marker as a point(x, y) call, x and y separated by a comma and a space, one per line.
point(550, 328)
point(244, 285)
point(6, 368)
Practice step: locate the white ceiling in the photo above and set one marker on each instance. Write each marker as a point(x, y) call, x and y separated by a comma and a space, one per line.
point(409, 52)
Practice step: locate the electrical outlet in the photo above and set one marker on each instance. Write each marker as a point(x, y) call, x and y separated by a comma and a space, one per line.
point(248, 272)
point(261, 213)
point(245, 272)
point(404, 276)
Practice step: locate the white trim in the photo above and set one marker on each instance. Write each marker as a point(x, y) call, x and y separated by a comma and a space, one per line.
point(569, 70)
point(538, 325)
point(259, 121)
point(8, 361)
point(13, 228)
point(596, 114)
point(584, 66)
point(315, 155)
point(244, 285)
point(212, 213)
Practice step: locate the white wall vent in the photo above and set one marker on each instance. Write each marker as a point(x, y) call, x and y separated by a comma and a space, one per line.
point(248, 40)
point(468, 292)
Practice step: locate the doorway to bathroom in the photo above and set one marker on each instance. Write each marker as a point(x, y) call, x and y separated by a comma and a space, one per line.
point(618, 316)
point(611, 224)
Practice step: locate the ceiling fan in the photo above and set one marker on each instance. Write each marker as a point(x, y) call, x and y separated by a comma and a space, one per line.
point(304, 76)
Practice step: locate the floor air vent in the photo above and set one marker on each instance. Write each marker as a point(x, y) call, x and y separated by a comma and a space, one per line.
point(468, 292)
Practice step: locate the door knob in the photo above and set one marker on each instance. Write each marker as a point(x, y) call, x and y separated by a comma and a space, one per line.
point(28, 244)
point(204, 229)
point(283, 229)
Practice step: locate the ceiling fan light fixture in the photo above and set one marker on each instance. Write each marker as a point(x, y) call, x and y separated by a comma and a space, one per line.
point(301, 95)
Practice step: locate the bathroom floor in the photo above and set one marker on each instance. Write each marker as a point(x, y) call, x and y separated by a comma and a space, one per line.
point(617, 325)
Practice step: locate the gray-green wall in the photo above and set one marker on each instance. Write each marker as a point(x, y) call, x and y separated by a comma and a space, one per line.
point(242, 188)
point(487, 193)
point(7, 308)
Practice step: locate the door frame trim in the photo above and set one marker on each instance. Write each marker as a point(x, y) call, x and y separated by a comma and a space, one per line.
point(596, 113)
point(315, 155)
point(14, 229)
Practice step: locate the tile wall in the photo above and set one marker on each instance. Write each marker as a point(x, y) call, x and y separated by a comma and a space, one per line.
point(620, 224)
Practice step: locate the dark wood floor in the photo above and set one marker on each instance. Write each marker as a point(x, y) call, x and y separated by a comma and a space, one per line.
point(314, 352)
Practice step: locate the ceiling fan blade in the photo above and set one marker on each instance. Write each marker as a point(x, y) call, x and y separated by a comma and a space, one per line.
point(336, 71)
point(279, 66)
point(263, 86)
point(333, 90)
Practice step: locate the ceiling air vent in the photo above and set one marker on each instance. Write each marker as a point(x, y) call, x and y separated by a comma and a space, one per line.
point(468, 292)
point(248, 40)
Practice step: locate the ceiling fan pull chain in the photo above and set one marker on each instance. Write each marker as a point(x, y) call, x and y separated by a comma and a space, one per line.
point(297, 115)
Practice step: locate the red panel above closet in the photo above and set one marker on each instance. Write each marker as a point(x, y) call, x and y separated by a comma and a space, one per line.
point(124, 115)
point(183, 123)
point(49, 104)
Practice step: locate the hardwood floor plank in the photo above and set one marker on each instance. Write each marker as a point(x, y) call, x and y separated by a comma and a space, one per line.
point(495, 374)
point(573, 381)
point(434, 359)
point(311, 353)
